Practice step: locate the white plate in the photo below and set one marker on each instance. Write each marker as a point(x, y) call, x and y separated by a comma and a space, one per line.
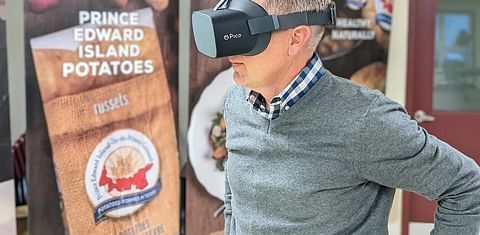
point(200, 151)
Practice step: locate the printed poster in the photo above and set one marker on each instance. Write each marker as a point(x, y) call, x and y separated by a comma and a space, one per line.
point(7, 188)
point(209, 80)
point(106, 91)
point(357, 47)
point(6, 165)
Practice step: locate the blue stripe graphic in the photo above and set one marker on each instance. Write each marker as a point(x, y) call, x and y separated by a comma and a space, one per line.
point(125, 201)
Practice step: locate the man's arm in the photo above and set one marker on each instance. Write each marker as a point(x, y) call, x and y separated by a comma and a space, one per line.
point(392, 150)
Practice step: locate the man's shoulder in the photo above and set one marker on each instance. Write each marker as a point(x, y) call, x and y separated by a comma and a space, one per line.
point(365, 101)
point(345, 93)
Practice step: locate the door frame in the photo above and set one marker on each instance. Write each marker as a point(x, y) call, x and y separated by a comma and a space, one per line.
point(421, 32)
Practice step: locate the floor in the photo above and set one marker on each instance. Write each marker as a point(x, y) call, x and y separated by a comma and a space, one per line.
point(420, 228)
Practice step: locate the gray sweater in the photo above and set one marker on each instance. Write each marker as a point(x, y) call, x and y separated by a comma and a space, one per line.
point(330, 164)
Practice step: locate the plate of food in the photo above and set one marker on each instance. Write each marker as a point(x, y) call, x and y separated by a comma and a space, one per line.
point(206, 135)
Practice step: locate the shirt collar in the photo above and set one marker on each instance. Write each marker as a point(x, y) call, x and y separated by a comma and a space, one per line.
point(299, 86)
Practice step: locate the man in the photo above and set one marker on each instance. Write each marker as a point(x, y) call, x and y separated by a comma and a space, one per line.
point(312, 153)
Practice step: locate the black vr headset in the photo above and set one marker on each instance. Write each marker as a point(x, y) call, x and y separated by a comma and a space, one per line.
point(242, 27)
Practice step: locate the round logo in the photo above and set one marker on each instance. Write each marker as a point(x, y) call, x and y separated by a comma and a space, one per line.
point(384, 9)
point(226, 37)
point(122, 174)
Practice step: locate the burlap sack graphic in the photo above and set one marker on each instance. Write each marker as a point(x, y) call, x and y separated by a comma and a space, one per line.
point(114, 145)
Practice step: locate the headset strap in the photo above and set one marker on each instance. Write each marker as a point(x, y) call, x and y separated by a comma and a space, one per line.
point(222, 4)
point(272, 23)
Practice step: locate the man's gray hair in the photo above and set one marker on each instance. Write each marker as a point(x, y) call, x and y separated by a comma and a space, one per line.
point(282, 7)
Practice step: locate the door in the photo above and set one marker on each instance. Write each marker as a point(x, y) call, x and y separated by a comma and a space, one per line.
point(443, 88)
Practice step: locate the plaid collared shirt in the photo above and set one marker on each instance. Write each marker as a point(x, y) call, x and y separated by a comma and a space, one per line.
point(304, 81)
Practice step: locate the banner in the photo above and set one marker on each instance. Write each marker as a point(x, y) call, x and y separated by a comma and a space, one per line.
point(356, 48)
point(106, 90)
point(6, 165)
point(7, 188)
point(204, 177)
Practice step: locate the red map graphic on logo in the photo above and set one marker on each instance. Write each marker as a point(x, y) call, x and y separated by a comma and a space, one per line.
point(139, 179)
point(387, 4)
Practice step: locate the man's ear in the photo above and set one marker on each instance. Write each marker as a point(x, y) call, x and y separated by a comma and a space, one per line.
point(300, 37)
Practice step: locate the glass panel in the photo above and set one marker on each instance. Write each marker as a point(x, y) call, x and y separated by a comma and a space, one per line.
point(457, 70)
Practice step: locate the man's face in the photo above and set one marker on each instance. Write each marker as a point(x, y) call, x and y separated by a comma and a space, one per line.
point(263, 70)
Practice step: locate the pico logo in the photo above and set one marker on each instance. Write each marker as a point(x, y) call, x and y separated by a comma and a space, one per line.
point(231, 36)
point(122, 174)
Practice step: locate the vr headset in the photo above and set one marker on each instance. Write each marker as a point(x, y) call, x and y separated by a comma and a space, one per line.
point(242, 27)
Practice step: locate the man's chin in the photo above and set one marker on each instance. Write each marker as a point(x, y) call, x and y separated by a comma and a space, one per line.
point(239, 80)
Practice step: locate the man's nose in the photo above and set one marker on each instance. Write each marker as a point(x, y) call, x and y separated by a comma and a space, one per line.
point(234, 59)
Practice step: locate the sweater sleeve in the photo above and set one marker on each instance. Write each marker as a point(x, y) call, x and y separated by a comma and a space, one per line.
point(392, 150)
